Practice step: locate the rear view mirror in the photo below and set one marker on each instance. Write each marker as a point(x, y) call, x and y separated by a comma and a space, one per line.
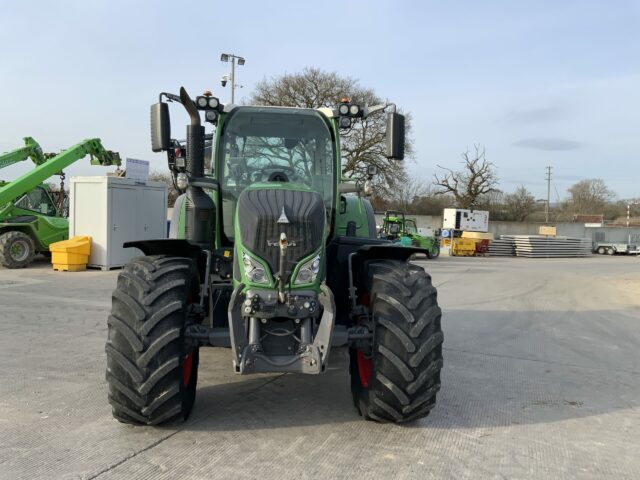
point(395, 136)
point(160, 127)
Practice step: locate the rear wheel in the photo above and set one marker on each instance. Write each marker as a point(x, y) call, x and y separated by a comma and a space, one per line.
point(397, 380)
point(602, 250)
point(611, 251)
point(16, 249)
point(151, 372)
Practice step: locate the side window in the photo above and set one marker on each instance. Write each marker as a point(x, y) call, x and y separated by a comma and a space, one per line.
point(37, 200)
point(410, 227)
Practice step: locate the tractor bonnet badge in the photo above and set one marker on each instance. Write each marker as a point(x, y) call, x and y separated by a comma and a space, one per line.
point(283, 217)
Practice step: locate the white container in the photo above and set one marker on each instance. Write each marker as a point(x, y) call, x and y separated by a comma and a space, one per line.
point(115, 210)
point(469, 220)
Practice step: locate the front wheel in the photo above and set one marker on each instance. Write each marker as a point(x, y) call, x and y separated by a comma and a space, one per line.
point(434, 252)
point(151, 372)
point(398, 378)
point(16, 249)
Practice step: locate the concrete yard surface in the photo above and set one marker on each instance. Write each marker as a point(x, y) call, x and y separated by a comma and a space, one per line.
point(541, 379)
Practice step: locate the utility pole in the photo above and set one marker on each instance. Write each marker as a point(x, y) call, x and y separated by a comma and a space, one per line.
point(546, 213)
point(230, 57)
point(628, 215)
point(232, 79)
point(628, 229)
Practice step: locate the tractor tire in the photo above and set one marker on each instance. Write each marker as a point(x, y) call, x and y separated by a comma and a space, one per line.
point(435, 253)
point(16, 249)
point(151, 372)
point(398, 379)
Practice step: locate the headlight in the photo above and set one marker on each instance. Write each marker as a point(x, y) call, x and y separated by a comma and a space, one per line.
point(213, 102)
point(201, 102)
point(308, 272)
point(354, 110)
point(345, 122)
point(210, 115)
point(254, 271)
point(182, 181)
point(343, 109)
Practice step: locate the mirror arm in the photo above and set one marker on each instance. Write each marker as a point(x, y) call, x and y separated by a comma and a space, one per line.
point(349, 187)
point(205, 182)
point(170, 97)
point(376, 108)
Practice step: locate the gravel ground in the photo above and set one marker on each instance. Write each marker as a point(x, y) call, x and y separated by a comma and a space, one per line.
point(541, 380)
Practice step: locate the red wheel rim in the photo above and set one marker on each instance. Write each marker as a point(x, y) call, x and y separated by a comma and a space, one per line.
point(365, 365)
point(187, 366)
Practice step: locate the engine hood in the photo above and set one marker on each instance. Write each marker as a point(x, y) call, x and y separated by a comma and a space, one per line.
point(266, 210)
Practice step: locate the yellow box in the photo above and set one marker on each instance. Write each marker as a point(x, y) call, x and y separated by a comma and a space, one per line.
point(64, 267)
point(80, 245)
point(463, 247)
point(549, 231)
point(71, 255)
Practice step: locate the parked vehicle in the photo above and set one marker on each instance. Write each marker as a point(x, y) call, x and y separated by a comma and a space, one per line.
point(271, 262)
point(30, 219)
point(398, 228)
point(613, 248)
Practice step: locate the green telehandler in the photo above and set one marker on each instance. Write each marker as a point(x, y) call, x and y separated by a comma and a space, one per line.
point(30, 150)
point(397, 228)
point(275, 257)
point(29, 218)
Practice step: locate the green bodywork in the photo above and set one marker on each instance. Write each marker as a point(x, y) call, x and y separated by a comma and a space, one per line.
point(26, 204)
point(30, 150)
point(345, 208)
point(34, 213)
point(398, 228)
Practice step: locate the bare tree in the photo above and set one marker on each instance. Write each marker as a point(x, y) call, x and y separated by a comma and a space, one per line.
point(589, 196)
point(476, 179)
point(364, 143)
point(412, 190)
point(165, 177)
point(519, 204)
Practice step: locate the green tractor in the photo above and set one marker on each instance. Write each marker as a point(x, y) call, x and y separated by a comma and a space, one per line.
point(30, 219)
point(273, 257)
point(397, 228)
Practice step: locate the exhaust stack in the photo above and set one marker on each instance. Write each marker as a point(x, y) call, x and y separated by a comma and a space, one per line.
point(200, 209)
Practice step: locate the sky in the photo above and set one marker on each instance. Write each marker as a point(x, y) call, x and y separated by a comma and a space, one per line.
point(535, 83)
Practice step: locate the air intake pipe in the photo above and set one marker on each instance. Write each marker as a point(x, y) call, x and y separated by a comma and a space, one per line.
point(199, 208)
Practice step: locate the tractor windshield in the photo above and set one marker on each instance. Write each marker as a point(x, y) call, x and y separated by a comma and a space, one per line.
point(261, 144)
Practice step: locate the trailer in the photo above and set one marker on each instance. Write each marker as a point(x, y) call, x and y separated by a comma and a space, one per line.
point(612, 248)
